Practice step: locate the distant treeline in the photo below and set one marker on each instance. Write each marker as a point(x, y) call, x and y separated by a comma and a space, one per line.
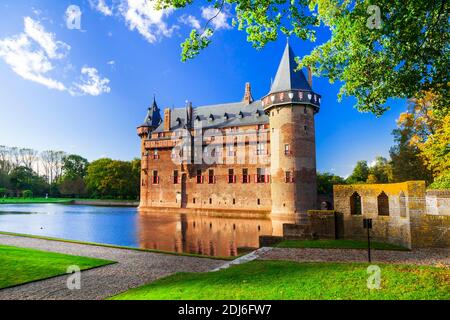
point(26, 172)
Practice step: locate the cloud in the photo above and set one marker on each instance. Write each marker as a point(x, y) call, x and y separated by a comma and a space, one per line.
point(219, 17)
point(91, 83)
point(142, 16)
point(29, 54)
point(101, 6)
point(190, 21)
point(33, 55)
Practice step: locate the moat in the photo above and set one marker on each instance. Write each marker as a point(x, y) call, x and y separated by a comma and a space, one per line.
point(211, 235)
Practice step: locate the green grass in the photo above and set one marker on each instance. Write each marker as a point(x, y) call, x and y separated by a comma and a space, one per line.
point(284, 280)
point(118, 247)
point(336, 244)
point(56, 200)
point(19, 265)
point(34, 200)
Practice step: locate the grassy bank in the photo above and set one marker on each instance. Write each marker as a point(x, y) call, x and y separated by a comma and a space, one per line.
point(114, 246)
point(34, 200)
point(336, 244)
point(284, 280)
point(19, 266)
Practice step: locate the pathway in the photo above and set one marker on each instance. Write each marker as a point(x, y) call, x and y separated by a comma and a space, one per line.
point(134, 268)
point(424, 256)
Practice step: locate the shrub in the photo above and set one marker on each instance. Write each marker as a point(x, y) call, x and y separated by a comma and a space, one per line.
point(3, 192)
point(27, 194)
point(441, 182)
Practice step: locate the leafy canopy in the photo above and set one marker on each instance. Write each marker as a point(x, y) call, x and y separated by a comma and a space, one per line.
point(377, 50)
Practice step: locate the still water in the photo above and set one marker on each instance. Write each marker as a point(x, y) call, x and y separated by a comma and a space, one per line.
point(189, 233)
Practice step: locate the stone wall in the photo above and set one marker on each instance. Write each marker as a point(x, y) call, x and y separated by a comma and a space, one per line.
point(438, 202)
point(399, 211)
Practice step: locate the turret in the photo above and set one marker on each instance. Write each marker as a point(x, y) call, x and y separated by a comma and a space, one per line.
point(151, 122)
point(291, 105)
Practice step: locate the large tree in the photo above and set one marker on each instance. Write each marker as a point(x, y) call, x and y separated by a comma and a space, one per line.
point(377, 49)
point(360, 173)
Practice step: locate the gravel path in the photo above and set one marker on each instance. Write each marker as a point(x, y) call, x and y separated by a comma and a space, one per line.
point(426, 256)
point(134, 268)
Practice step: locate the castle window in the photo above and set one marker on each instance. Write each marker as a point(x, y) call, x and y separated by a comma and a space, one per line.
point(156, 154)
point(402, 204)
point(355, 204)
point(289, 178)
point(176, 177)
point(161, 135)
point(287, 149)
point(155, 177)
point(383, 204)
point(231, 152)
point(260, 148)
point(193, 200)
point(306, 111)
point(306, 129)
point(231, 176)
point(211, 177)
point(261, 176)
point(210, 200)
point(259, 202)
point(199, 177)
point(234, 201)
point(226, 116)
point(245, 176)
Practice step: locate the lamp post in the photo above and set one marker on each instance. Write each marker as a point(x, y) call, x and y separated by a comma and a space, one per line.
point(367, 224)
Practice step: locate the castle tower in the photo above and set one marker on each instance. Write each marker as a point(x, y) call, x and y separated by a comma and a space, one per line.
point(152, 121)
point(291, 106)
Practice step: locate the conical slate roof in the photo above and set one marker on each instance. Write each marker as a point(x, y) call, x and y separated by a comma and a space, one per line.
point(153, 118)
point(287, 78)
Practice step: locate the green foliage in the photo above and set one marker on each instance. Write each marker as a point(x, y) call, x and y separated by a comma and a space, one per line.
point(19, 265)
point(402, 56)
point(27, 194)
point(107, 178)
point(326, 181)
point(380, 172)
point(3, 192)
point(23, 178)
point(74, 166)
point(441, 182)
point(360, 173)
point(287, 280)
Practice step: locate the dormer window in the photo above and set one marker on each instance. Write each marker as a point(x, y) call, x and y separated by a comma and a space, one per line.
point(179, 121)
point(211, 117)
point(258, 113)
point(241, 115)
point(226, 116)
point(197, 118)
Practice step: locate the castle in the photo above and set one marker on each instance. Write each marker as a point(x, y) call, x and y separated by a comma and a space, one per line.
point(252, 156)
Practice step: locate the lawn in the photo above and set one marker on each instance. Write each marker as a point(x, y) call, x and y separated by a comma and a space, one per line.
point(336, 244)
point(19, 266)
point(34, 200)
point(285, 280)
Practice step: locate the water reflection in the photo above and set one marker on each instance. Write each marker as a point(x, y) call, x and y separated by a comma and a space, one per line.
point(211, 235)
point(204, 234)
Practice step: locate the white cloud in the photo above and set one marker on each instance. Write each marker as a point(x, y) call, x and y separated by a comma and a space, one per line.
point(101, 6)
point(91, 83)
point(32, 59)
point(54, 49)
point(111, 62)
point(33, 54)
point(219, 17)
point(190, 21)
point(142, 16)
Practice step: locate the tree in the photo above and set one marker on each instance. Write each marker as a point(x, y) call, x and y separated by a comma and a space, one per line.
point(380, 172)
point(74, 166)
point(326, 181)
point(28, 157)
point(23, 178)
point(53, 163)
point(376, 50)
point(360, 173)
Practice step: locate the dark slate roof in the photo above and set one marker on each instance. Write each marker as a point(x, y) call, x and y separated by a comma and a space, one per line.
point(287, 78)
point(153, 118)
point(223, 115)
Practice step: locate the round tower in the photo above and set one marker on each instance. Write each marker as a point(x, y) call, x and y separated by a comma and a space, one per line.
point(291, 106)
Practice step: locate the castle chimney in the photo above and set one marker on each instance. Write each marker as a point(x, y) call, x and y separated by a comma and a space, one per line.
point(248, 94)
point(167, 118)
point(310, 77)
point(189, 112)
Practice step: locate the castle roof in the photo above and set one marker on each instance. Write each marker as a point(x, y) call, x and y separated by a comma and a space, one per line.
point(223, 115)
point(287, 78)
point(153, 118)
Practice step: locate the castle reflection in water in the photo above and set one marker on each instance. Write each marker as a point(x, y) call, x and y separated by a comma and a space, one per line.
point(210, 235)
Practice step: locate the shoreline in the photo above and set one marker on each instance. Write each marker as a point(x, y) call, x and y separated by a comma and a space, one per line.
point(80, 202)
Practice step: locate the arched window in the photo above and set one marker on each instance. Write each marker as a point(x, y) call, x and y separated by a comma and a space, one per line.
point(402, 204)
point(383, 204)
point(355, 204)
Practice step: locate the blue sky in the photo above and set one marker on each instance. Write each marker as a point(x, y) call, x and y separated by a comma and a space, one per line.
point(91, 87)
